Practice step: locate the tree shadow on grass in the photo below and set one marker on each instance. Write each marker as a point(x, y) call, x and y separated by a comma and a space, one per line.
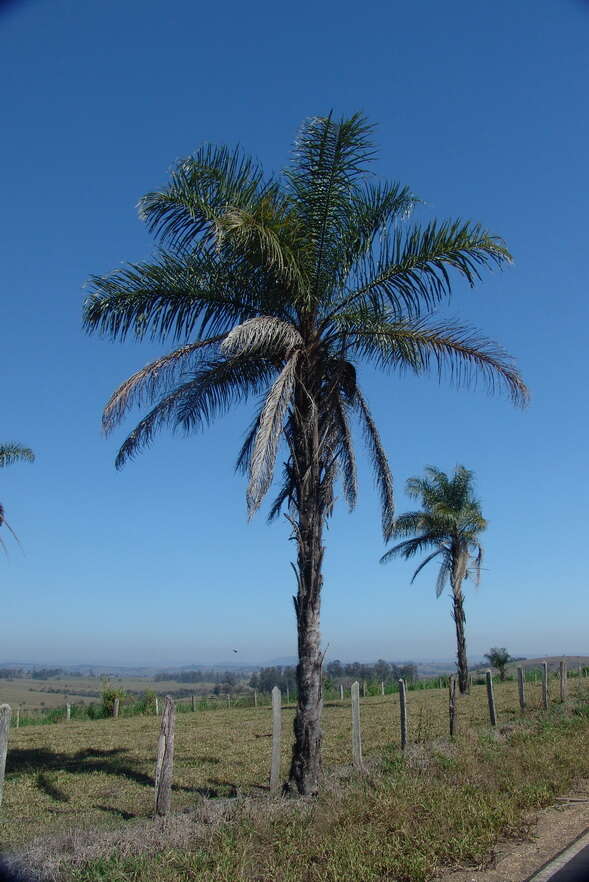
point(45, 784)
point(112, 762)
point(119, 813)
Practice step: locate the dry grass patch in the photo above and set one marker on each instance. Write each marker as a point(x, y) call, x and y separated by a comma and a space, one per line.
point(98, 775)
point(443, 804)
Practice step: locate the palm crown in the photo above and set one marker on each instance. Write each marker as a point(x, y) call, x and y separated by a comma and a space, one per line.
point(10, 453)
point(290, 281)
point(449, 523)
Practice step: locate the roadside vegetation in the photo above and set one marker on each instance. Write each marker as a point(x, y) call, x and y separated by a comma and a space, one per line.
point(87, 793)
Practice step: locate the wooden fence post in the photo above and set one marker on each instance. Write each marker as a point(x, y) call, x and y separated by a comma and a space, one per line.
point(276, 733)
point(491, 698)
point(341, 692)
point(5, 712)
point(403, 708)
point(17, 721)
point(356, 734)
point(382, 687)
point(68, 711)
point(364, 689)
point(521, 689)
point(193, 702)
point(563, 680)
point(545, 685)
point(164, 767)
point(255, 697)
point(452, 706)
point(115, 708)
point(157, 706)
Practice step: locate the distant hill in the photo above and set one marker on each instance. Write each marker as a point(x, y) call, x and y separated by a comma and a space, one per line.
point(573, 661)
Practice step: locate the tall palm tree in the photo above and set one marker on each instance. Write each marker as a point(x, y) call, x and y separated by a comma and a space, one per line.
point(449, 523)
point(10, 453)
point(279, 287)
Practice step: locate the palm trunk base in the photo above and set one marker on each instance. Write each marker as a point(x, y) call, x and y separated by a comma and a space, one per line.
point(305, 769)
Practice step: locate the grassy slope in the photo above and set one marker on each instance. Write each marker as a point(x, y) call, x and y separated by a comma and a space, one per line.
point(443, 803)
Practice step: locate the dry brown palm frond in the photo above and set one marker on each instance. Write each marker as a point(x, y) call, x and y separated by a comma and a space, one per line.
point(268, 434)
point(265, 334)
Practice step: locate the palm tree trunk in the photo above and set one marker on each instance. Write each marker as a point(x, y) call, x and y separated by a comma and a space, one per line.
point(460, 620)
point(460, 559)
point(305, 769)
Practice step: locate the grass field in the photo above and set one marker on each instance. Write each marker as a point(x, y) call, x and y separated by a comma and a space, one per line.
point(99, 774)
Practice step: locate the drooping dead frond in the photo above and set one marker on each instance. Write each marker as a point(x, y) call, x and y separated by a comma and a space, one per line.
point(146, 384)
point(263, 457)
point(265, 334)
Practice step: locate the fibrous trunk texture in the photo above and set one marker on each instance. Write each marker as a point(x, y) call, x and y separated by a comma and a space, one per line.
point(305, 770)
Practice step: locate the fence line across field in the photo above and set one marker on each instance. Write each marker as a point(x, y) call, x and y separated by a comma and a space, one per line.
point(165, 749)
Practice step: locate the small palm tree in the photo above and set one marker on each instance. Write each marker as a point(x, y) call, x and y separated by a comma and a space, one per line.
point(448, 527)
point(498, 657)
point(10, 453)
point(279, 288)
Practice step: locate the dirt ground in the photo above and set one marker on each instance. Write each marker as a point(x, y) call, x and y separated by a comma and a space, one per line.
point(551, 830)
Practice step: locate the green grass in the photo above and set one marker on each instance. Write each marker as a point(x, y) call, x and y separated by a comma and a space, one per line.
point(444, 802)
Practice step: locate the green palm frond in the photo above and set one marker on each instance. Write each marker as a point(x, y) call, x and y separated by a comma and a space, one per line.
point(374, 210)
point(12, 452)
point(449, 350)
point(380, 466)
point(200, 190)
point(329, 158)
point(411, 270)
point(410, 547)
point(214, 389)
point(425, 562)
point(269, 235)
point(345, 450)
point(174, 297)
point(147, 384)
point(320, 262)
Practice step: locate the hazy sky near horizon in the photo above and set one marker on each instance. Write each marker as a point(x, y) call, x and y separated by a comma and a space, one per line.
point(483, 111)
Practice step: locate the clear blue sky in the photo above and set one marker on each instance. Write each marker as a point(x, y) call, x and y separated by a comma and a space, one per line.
point(482, 109)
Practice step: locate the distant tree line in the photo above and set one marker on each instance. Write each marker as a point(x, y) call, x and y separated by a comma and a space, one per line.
point(377, 672)
point(39, 674)
point(230, 678)
point(335, 672)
